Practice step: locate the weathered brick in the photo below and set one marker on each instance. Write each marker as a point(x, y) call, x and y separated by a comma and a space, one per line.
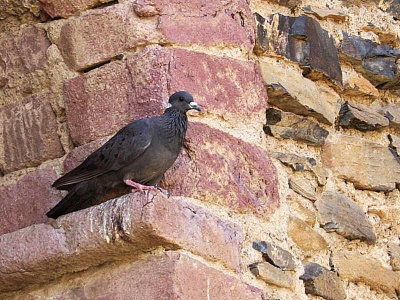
point(107, 32)
point(26, 202)
point(171, 275)
point(66, 8)
point(229, 88)
point(101, 35)
point(97, 102)
point(221, 29)
point(218, 168)
point(24, 51)
point(28, 135)
point(116, 229)
point(103, 100)
point(206, 22)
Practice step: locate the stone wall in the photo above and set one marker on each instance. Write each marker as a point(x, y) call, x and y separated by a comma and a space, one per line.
point(288, 186)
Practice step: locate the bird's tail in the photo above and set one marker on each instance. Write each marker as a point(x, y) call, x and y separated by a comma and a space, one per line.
point(78, 198)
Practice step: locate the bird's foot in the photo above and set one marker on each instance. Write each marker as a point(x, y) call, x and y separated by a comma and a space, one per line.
point(139, 187)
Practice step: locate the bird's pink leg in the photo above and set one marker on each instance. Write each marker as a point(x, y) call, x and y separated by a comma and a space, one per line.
point(139, 187)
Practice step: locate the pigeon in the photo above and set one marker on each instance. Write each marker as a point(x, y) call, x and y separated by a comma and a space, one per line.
point(137, 156)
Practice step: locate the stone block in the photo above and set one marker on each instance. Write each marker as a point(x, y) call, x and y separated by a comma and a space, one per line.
point(28, 134)
point(27, 201)
point(304, 236)
point(290, 126)
point(339, 214)
point(302, 40)
point(378, 170)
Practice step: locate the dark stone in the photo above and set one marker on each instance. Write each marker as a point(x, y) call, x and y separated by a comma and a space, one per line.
point(319, 281)
point(290, 126)
point(275, 255)
point(262, 41)
point(301, 39)
point(339, 214)
point(360, 117)
point(376, 62)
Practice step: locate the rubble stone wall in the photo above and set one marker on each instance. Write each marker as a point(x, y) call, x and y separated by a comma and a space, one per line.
point(288, 184)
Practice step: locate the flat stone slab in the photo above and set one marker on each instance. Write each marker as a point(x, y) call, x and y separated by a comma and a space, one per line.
point(392, 113)
point(275, 255)
point(290, 91)
point(167, 275)
point(287, 125)
point(339, 214)
point(117, 229)
point(378, 170)
point(360, 117)
point(273, 275)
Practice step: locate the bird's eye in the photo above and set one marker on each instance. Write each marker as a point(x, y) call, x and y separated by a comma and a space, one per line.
point(181, 99)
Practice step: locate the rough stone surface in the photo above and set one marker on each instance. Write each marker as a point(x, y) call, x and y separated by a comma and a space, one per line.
point(104, 34)
point(388, 216)
point(26, 202)
point(66, 8)
point(304, 236)
point(361, 269)
point(212, 25)
point(392, 113)
point(303, 187)
point(324, 14)
point(276, 255)
point(339, 214)
point(273, 275)
point(378, 170)
point(319, 281)
point(290, 91)
point(111, 231)
point(394, 146)
point(24, 51)
point(394, 253)
point(28, 134)
point(385, 37)
point(301, 39)
point(356, 85)
point(290, 126)
point(224, 170)
point(302, 209)
point(360, 117)
point(292, 4)
point(171, 275)
point(376, 62)
point(231, 29)
point(141, 85)
point(302, 163)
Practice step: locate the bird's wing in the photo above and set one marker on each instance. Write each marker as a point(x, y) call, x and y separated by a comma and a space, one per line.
point(123, 148)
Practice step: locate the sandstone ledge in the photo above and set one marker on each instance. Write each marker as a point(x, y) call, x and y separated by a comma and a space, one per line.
point(115, 230)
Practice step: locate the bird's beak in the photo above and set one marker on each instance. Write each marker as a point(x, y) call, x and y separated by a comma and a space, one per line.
point(194, 105)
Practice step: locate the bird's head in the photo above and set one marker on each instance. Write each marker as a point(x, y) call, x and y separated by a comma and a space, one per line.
point(183, 101)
